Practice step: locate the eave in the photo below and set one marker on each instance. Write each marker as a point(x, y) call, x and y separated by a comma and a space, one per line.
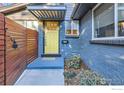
point(81, 9)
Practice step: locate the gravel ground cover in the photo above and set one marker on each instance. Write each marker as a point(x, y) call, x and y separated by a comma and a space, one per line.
point(77, 73)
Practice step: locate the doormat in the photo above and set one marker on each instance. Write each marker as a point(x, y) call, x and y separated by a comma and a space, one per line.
point(48, 58)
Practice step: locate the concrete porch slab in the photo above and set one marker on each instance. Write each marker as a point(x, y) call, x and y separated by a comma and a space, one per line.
point(41, 77)
point(47, 63)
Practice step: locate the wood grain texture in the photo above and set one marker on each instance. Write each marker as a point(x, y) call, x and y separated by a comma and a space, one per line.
point(32, 45)
point(16, 59)
point(2, 49)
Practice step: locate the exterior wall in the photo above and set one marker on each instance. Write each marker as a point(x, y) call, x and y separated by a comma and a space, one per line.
point(62, 30)
point(107, 60)
point(2, 49)
point(63, 48)
point(69, 7)
point(72, 46)
point(40, 39)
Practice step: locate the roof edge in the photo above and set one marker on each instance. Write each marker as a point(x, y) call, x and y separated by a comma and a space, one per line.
point(11, 9)
point(81, 9)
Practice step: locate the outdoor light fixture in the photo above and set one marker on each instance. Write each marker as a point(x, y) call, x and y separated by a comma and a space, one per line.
point(14, 44)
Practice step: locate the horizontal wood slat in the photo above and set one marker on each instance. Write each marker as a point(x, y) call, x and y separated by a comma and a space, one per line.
point(15, 58)
point(14, 61)
point(32, 45)
point(2, 48)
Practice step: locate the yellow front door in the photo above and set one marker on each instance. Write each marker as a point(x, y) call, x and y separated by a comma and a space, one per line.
point(51, 39)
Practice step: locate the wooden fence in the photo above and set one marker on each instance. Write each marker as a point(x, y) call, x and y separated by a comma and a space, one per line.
point(32, 45)
point(21, 49)
point(2, 48)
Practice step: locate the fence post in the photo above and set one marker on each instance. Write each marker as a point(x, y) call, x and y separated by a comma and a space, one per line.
point(2, 49)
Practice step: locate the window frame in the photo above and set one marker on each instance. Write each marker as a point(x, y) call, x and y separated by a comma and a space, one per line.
point(71, 25)
point(116, 36)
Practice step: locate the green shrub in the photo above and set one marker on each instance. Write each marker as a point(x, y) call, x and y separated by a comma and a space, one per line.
point(89, 77)
point(69, 75)
point(73, 62)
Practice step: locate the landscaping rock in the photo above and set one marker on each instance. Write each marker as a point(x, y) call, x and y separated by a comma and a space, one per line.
point(77, 73)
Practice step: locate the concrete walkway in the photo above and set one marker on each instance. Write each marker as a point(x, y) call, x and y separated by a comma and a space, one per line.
point(41, 77)
point(43, 71)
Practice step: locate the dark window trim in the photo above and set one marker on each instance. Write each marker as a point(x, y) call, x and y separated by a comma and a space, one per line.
point(119, 42)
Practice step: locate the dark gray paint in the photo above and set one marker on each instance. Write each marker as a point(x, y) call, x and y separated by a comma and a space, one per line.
point(106, 60)
point(81, 9)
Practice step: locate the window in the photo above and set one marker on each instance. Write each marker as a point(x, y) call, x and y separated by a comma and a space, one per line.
point(104, 21)
point(68, 27)
point(108, 21)
point(6, 4)
point(32, 24)
point(43, 4)
point(29, 24)
point(121, 19)
point(72, 28)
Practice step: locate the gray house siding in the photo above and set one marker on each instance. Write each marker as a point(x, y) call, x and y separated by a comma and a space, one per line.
point(40, 39)
point(68, 13)
point(106, 60)
point(72, 47)
point(69, 10)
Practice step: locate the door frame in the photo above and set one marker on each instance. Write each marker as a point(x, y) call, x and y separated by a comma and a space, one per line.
point(51, 55)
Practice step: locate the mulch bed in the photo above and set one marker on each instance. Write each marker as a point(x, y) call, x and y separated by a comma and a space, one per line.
point(76, 79)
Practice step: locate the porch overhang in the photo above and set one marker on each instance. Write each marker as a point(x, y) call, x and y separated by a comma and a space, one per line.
point(81, 9)
point(48, 12)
